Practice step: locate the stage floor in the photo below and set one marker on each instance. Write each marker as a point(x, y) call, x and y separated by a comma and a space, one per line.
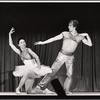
point(25, 94)
point(73, 94)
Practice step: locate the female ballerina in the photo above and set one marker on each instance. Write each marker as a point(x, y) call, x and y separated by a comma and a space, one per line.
point(31, 68)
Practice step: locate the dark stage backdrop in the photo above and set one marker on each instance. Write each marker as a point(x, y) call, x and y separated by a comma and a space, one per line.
point(36, 22)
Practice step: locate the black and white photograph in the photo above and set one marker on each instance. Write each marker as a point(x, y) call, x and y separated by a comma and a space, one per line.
point(50, 49)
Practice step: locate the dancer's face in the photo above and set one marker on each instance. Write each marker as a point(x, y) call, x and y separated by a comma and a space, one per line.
point(22, 43)
point(70, 27)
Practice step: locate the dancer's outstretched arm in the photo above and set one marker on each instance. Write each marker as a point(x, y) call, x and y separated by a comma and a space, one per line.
point(58, 37)
point(35, 56)
point(11, 42)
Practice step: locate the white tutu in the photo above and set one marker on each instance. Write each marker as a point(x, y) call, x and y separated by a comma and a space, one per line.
point(31, 65)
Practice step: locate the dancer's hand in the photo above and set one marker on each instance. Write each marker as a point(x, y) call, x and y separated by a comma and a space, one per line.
point(12, 30)
point(38, 43)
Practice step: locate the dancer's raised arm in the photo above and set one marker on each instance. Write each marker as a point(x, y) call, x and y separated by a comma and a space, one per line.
point(11, 42)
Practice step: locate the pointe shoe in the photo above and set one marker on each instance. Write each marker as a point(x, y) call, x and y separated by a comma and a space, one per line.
point(17, 91)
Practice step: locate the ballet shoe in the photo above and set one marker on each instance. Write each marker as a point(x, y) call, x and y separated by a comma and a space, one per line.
point(17, 91)
point(47, 91)
point(68, 92)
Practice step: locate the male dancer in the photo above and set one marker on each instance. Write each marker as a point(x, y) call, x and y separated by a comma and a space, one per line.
point(71, 39)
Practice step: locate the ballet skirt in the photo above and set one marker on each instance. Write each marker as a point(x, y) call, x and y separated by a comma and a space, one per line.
point(30, 65)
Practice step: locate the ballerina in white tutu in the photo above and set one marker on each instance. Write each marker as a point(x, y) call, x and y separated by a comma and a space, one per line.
point(32, 67)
